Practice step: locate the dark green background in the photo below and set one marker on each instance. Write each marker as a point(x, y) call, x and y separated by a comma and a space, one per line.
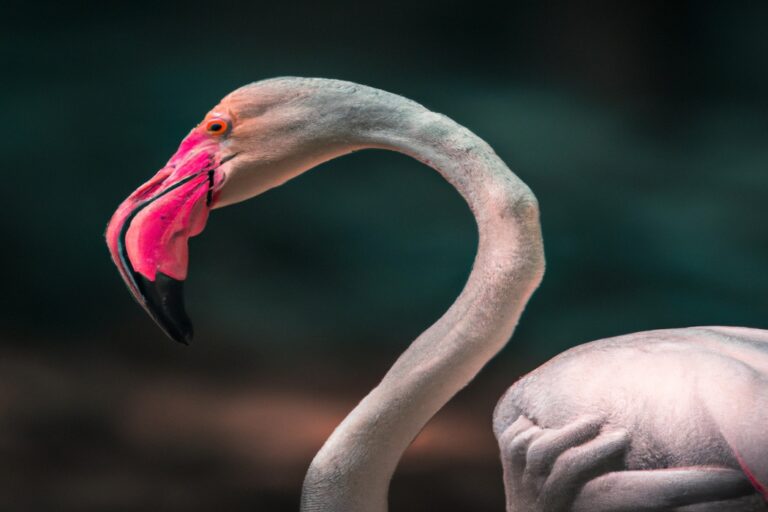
point(642, 127)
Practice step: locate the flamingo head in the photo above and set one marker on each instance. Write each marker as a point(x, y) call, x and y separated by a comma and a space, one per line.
point(253, 140)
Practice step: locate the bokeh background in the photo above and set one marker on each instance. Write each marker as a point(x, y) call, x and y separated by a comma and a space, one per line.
point(641, 126)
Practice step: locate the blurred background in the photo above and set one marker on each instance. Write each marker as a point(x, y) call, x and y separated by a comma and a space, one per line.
point(641, 126)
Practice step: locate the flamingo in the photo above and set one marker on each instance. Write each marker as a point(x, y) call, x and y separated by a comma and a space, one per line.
point(660, 420)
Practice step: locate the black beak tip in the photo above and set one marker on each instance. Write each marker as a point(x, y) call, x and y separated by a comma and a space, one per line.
point(164, 301)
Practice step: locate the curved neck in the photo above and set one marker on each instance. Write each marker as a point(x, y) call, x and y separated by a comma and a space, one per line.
point(353, 469)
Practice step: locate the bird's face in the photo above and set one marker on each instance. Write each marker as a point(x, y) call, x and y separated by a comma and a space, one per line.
point(254, 140)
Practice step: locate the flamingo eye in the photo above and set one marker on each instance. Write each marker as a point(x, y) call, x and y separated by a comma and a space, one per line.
point(216, 127)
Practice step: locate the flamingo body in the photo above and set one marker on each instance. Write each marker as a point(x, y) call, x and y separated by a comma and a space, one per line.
point(695, 397)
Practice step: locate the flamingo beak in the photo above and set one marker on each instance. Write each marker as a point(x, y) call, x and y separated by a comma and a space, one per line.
point(148, 234)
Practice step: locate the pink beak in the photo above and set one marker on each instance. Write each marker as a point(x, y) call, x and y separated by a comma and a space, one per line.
point(148, 234)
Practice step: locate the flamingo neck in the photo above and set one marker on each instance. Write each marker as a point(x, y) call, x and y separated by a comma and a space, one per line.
point(353, 469)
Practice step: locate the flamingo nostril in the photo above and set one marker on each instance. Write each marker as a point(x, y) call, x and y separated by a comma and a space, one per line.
point(209, 195)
